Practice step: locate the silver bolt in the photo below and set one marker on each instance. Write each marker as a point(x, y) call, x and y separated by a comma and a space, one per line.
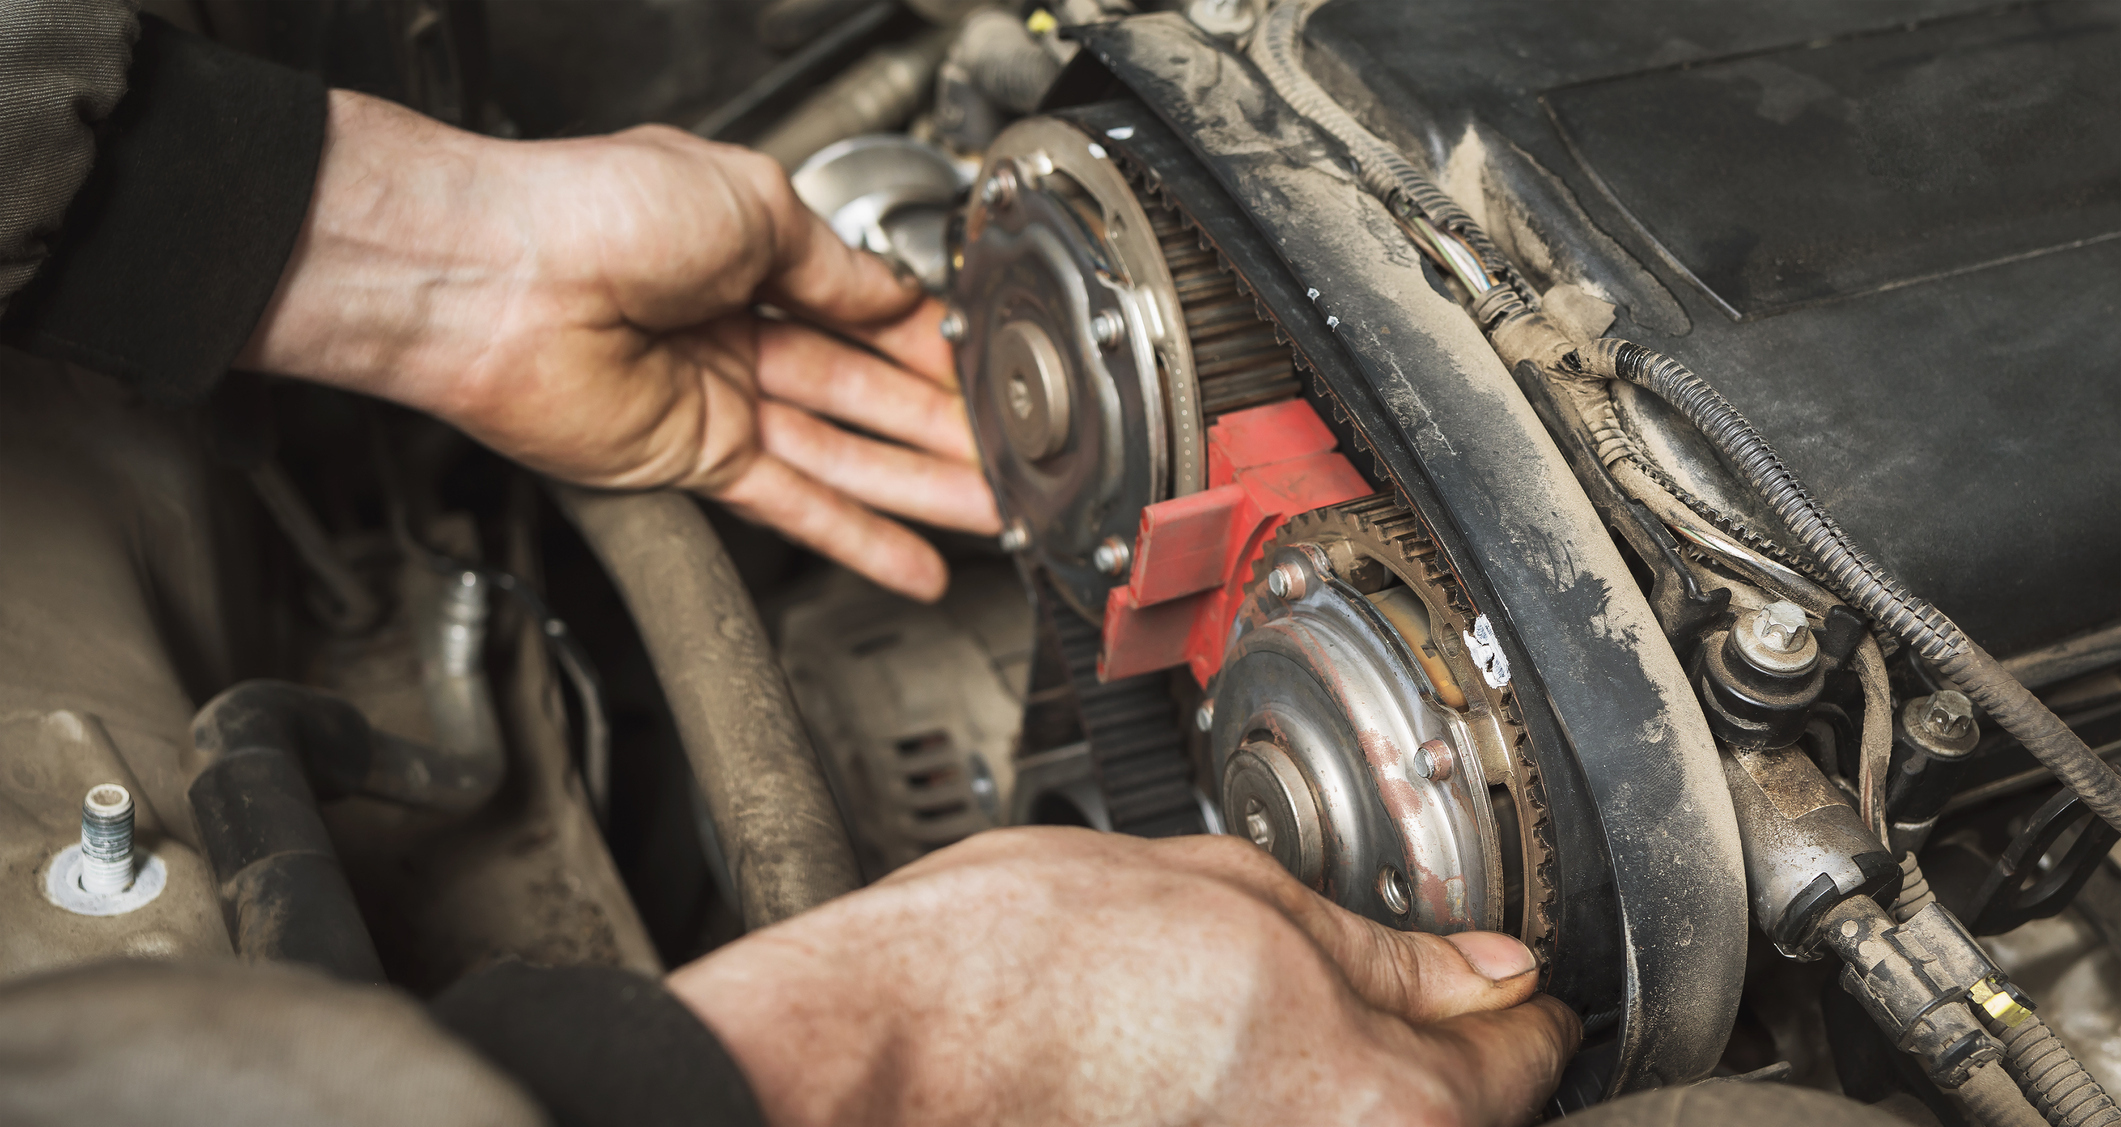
point(1204, 716)
point(1392, 887)
point(1949, 714)
point(1000, 189)
point(953, 326)
point(1286, 581)
point(1257, 825)
point(1112, 556)
point(106, 840)
point(1780, 626)
point(1109, 327)
point(1433, 761)
point(1015, 538)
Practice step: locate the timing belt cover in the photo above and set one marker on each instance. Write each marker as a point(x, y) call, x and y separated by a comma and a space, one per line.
point(1627, 761)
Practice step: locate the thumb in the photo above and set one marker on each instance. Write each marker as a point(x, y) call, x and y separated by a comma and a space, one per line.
point(814, 274)
point(1501, 1065)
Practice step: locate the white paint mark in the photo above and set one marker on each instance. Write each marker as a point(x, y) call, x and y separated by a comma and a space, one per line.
point(1332, 321)
point(1120, 132)
point(1312, 294)
point(1097, 150)
point(1481, 647)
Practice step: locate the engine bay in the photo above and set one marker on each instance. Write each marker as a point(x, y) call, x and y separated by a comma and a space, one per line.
point(1638, 477)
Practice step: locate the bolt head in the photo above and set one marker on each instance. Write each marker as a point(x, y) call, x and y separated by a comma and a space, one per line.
point(1000, 188)
point(1949, 714)
point(1781, 627)
point(1433, 761)
point(1204, 716)
point(1016, 537)
point(1109, 327)
point(1258, 827)
point(1392, 889)
point(953, 326)
point(1286, 581)
point(1112, 556)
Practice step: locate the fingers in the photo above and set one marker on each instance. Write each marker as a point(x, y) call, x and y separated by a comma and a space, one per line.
point(891, 478)
point(813, 272)
point(775, 494)
point(1501, 1065)
point(916, 342)
point(1412, 975)
point(811, 370)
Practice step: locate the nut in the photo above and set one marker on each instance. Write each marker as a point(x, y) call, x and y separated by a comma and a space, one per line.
point(1015, 538)
point(1000, 189)
point(953, 326)
point(1109, 327)
point(1204, 716)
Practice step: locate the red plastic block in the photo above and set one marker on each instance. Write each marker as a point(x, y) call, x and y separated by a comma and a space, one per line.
point(1261, 436)
point(1184, 545)
point(1195, 553)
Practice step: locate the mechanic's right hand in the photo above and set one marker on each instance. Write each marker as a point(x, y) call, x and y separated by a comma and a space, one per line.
point(1060, 976)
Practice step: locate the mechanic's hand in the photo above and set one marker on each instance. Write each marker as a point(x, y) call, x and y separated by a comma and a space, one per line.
point(1058, 976)
point(585, 307)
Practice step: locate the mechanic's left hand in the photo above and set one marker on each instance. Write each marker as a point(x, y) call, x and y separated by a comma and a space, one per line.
point(584, 307)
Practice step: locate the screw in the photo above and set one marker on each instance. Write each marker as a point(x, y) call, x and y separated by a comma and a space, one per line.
point(106, 840)
point(1393, 888)
point(1112, 556)
point(1780, 626)
point(1286, 581)
point(1000, 189)
point(1257, 827)
point(1949, 714)
point(1016, 537)
point(1433, 761)
point(1204, 716)
point(1109, 327)
point(953, 326)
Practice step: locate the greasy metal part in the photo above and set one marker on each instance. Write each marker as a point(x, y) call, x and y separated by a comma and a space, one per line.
point(1748, 706)
point(106, 840)
point(1076, 365)
point(877, 93)
point(916, 709)
point(1913, 978)
point(1385, 554)
point(1932, 729)
point(346, 604)
point(1805, 848)
point(452, 642)
point(1321, 711)
point(1403, 377)
point(773, 812)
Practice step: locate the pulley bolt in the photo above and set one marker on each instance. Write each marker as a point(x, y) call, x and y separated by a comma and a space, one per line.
point(106, 840)
point(1433, 761)
point(1112, 556)
point(1257, 825)
point(1204, 716)
point(1948, 714)
point(1780, 626)
point(953, 326)
point(1109, 327)
point(1000, 189)
point(1015, 538)
point(1286, 581)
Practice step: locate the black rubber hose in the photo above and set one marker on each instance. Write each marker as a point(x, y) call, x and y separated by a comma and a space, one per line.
point(772, 810)
point(1859, 579)
point(1386, 172)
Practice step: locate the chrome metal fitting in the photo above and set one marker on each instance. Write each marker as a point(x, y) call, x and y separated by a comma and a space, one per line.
point(1112, 556)
point(1392, 889)
point(1109, 327)
point(1433, 760)
point(952, 326)
point(1015, 538)
point(1287, 581)
point(1001, 186)
point(106, 840)
point(1204, 716)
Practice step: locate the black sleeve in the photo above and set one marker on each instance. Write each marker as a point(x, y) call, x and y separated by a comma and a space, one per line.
point(169, 254)
point(599, 1046)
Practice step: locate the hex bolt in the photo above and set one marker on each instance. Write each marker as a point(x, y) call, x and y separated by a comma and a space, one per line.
point(1204, 716)
point(1112, 556)
point(1948, 714)
point(1000, 189)
point(1433, 761)
point(1392, 888)
point(1109, 327)
point(1286, 581)
point(1015, 538)
point(953, 326)
point(1258, 827)
point(106, 840)
point(1780, 626)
